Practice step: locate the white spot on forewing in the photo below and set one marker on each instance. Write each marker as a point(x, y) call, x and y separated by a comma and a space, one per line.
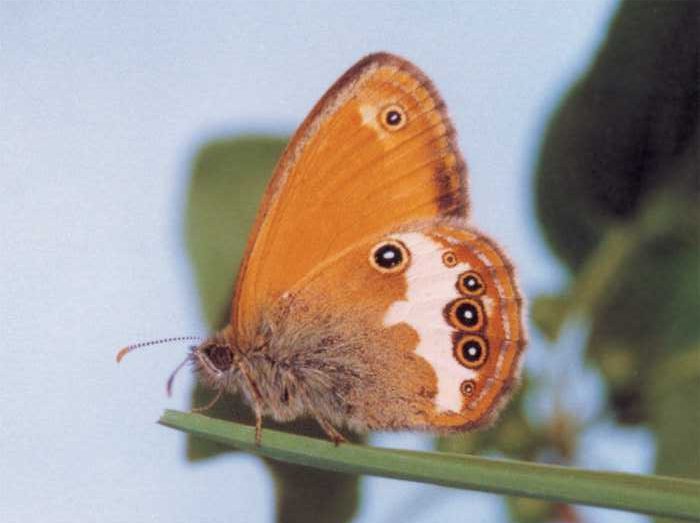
point(431, 286)
point(369, 119)
point(369, 115)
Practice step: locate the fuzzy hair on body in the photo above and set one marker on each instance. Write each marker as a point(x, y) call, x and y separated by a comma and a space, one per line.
point(309, 360)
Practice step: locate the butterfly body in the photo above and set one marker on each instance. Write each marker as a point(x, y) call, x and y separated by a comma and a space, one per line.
point(365, 298)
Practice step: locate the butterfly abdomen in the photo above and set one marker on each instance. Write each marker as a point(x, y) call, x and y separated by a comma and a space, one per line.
point(307, 367)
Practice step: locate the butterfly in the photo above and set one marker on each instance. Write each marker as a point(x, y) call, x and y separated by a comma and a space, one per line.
point(365, 298)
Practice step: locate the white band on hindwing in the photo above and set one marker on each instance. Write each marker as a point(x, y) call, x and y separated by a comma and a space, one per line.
point(430, 287)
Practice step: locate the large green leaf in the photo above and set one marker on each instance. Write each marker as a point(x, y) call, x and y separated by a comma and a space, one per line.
point(616, 136)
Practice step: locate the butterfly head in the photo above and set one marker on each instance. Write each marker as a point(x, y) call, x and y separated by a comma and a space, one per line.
point(214, 356)
point(216, 359)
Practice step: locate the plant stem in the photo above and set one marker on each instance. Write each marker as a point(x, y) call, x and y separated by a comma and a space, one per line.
point(654, 495)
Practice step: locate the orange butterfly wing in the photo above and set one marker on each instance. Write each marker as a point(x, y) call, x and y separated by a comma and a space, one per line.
point(435, 339)
point(377, 150)
point(487, 283)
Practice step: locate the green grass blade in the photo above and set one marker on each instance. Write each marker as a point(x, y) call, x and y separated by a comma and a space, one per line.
point(655, 495)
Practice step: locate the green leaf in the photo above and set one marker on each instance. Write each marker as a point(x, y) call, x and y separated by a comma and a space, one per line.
point(654, 495)
point(617, 135)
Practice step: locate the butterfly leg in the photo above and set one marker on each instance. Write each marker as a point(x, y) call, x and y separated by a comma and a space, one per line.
point(210, 404)
point(258, 424)
point(256, 397)
point(336, 437)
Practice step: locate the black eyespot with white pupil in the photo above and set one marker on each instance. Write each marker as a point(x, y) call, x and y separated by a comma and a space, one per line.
point(471, 351)
point(467, 314)
point(393, 118)
point(389, 256)
point(470, 284)
point(464, 314)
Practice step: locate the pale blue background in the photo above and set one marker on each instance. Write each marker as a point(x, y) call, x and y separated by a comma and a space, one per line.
point(103, 106)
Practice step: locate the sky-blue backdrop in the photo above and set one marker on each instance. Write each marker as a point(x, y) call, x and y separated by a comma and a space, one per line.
point(103, 106)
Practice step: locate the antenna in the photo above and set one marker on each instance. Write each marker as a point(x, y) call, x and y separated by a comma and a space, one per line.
point(129, 348)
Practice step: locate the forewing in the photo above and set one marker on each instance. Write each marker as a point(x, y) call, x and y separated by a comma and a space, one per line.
point(378, 150)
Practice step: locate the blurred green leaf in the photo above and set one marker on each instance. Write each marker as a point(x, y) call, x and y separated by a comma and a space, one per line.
point(676, 416)
point(548, 312)
point(617, 197)
point(227, 184)
point(614, 139)
point(226, 187)
point(647, 314)
point(530, 510)
point(630, 492)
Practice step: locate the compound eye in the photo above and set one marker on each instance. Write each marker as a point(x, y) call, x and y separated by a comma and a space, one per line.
point(389, 256)
point(471, 351)
point(393, 117)
point(470, 284)
point(219, 357)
